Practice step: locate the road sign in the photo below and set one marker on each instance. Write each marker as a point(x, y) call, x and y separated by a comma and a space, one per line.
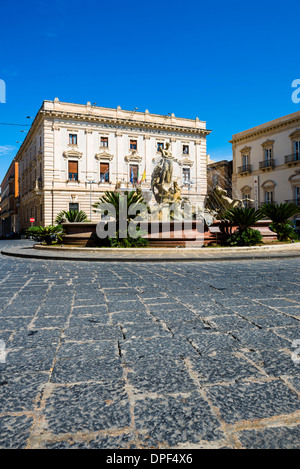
point(32, 220)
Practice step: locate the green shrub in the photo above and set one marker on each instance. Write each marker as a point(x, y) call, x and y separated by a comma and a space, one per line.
point(246, 237)
point(71, 216)
point(47, 234)
point(280, 215)
point(284, 231)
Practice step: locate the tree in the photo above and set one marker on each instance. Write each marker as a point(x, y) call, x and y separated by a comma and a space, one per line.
point(71, 216)
point(280, 215)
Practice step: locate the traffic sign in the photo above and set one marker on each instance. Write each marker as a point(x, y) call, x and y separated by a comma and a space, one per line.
point(32, 220)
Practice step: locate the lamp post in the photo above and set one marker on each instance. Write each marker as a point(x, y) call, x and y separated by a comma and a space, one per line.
point(90, 183)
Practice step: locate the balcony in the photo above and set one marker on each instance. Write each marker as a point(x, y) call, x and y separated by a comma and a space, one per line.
point(292, 159)
point(267, 164)
point(293, 201)
point(244, 169)
point(268, 203)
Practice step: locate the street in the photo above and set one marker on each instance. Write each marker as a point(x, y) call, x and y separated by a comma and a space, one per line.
point(149, 355)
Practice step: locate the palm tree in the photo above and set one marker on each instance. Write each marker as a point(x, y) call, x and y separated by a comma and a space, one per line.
point(71, 216)
point(123, 203)
point(243, 217)
point(280, 215)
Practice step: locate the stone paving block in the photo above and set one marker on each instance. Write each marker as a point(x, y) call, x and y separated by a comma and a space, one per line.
point(115, 307)
point(211, 342)
point(129, 317)
point(87, 408)
point(271, 438)
point(85, 310)
point(250, 401)
point(89, 320)
point(260, 339)
point(46, 322)
point(150, 348)
point(174, 316)
point(150, 329)
point(14, 431)
point(92, 332)
point(170, 421)
point(229, 323)
point(290, 333)
point(120, 442)
point(77, 370)
point(274, 320)
point(36, 338)
point(295, 382)
point(275, 362)
point(26, 360)
point(162, 375)
point(189, 328)
point(21, 392)
point(223, 367)
point(99, 349)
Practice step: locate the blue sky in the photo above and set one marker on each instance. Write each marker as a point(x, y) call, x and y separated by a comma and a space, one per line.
point(230, 63)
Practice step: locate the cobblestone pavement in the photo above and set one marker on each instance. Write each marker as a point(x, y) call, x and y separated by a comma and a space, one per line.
point(155, 355)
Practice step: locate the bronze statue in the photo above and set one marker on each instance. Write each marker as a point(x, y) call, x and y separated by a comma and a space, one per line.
point(161, 179)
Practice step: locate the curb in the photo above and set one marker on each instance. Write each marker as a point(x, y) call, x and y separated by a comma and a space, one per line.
point(175, 255)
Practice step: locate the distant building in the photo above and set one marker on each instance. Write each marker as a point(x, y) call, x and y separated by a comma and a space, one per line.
point(9, 213)
point(69, 145)
point(219, 173)
point(266, 162)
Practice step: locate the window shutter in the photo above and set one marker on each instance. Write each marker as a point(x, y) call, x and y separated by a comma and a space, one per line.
point(104, 168)
point(73, 166)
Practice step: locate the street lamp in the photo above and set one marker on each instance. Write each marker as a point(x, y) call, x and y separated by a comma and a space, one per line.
point(90, 183)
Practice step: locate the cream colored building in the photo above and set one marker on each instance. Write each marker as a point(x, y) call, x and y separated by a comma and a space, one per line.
point(266, 162)
point(70, 145)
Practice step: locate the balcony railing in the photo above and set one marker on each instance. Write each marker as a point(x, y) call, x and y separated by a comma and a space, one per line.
point(245, 169)
point(267, 164)
point(293, 201)
point(294, 158)
point(268, 202)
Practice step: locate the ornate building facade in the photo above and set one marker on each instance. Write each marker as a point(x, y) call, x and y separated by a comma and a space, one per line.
point(73, 153)
point(266, 162)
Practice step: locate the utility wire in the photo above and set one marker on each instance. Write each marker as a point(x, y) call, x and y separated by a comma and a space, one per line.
point(21, 125)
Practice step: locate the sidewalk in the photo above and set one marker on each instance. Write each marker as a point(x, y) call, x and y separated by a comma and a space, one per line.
point(153, 254)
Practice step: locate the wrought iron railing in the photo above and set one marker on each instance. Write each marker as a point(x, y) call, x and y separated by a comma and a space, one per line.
point(245, 169)
point(270, 163)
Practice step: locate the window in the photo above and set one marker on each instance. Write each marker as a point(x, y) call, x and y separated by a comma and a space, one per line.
point(104, 172)
point(186, 175)
point(245, 198)
point(73, 170)
point(41, 212)
point(133, 144)
point(297, 149)
point(185, 149)
point(72, 139)
point(134, 173)
point(269, 197)
point(160, 146)
point(104, 142)
point(215, 180)
point(297, 195)
point(268, 154)
point(245, 160)
point(73, 206)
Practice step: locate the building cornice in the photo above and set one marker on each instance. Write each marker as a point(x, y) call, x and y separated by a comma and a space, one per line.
point(265, 129)
point(126, 123)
